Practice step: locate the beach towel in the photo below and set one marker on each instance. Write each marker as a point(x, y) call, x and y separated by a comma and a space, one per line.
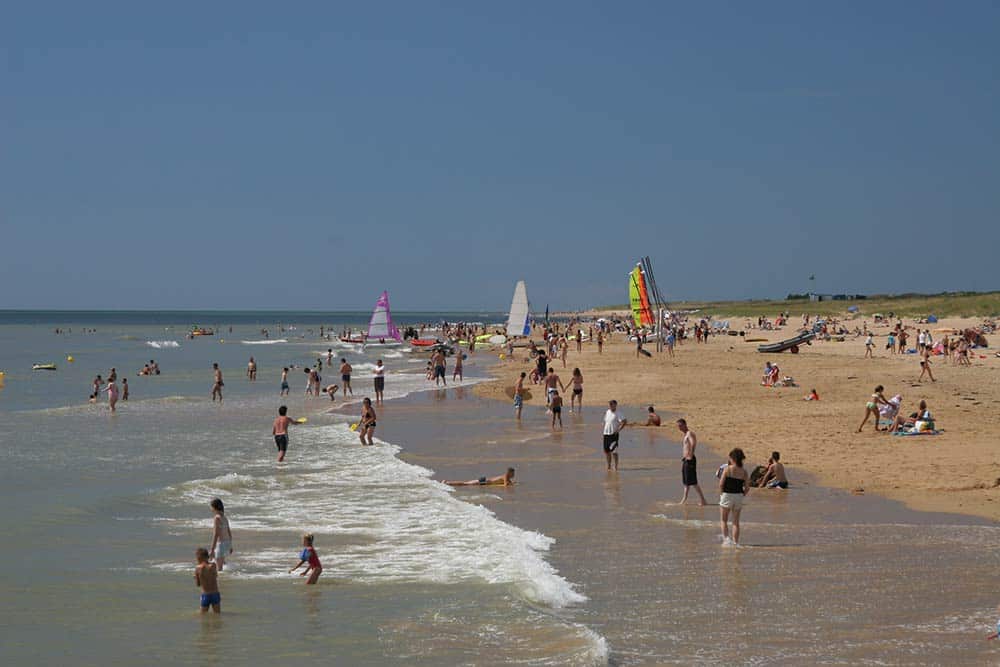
point(937, 432)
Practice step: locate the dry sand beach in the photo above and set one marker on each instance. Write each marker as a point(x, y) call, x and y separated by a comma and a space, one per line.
point(716, 386)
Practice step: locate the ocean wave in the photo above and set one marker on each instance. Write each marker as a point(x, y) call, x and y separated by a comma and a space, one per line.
point(264, 342)
point(412, 528)
point(162, 344)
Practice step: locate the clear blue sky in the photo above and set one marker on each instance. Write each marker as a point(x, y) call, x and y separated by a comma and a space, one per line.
point(242, 155)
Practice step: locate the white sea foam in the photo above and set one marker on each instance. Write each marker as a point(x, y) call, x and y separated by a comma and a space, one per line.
point(264, 342)
point(413, 528)
point(162, 344)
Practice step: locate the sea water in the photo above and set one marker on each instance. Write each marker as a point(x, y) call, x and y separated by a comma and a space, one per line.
point(104, 512)
point(573, 566)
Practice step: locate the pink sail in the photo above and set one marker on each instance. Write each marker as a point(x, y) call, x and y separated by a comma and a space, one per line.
point(381, 327)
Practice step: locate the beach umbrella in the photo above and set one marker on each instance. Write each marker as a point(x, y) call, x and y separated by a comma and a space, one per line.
point(932, 319)
point(852, 309)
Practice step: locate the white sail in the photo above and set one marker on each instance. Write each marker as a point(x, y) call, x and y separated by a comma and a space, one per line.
point(381, 326)
point(517, 323)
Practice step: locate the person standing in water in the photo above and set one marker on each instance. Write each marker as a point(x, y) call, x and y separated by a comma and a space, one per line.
point(689, 462)
point(252, 370)
point(310, 558)
point(367, 422)
point(440, 366)
point(206, 575)
point(345, 377)
point(284, 382)
point(222, 537)
point(457, 374)
point(519, 395)
point(112, 390)
point(279, 429)
point(576, 397)
point(613, 424)
point(555, 406)
point(379, 373)
point(218, 384)
point(125, 389)
point(733, 485)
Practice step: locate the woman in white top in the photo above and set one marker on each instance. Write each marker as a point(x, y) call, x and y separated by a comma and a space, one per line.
point(379, 381)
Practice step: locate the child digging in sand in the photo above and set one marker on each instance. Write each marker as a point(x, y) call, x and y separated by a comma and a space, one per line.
point(309, 557)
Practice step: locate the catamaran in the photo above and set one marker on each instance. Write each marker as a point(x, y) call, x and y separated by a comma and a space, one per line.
point(381, 330)
point(519, 323)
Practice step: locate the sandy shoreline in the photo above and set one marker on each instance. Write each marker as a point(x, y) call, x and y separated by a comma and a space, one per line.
point(717, 387)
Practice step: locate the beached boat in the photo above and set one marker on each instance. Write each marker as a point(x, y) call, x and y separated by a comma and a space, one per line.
point(347, 339)
point(43, 367)
point(791, 344)
point(424, 342)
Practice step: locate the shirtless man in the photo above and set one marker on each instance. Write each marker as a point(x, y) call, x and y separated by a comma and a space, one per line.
point(774, 477)
point(689, 463)
point(345, 376)
point(552, 385)
point(438, 362)
point(252, 370)
point(519, 394)
point(206, 575)
point(506, 479)
point(653, 419)
point(219, 384)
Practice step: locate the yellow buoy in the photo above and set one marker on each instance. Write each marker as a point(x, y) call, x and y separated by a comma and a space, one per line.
point(69, 358)
point(502, 357)
point(354, 427)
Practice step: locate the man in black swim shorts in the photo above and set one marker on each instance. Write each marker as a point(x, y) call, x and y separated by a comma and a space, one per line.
point(613, 424)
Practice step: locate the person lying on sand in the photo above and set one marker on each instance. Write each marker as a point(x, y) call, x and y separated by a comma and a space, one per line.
point(506, 479)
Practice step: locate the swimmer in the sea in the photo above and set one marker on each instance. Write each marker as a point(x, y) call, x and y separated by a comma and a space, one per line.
point(506, 479)
point(653, 419)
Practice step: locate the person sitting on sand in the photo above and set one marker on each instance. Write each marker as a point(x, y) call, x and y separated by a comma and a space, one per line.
point(653, 419)
point(774, 477)
point(765, 379)
point(917, 421)
point(506, 479)
point(813, 396)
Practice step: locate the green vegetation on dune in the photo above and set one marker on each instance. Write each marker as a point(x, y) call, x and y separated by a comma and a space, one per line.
point(956, 304)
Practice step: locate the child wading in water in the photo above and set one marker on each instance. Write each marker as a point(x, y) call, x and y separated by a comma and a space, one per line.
point(222, 537)
point(206, 576)
point(733, 485)
point(308, 556)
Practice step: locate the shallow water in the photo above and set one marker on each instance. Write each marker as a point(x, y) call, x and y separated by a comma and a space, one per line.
point(572, 566)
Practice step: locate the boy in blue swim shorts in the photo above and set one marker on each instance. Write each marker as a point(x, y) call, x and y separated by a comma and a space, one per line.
point(207, 576)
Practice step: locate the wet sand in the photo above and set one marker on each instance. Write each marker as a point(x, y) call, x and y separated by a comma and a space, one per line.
point(716, 386)
point(824, 577)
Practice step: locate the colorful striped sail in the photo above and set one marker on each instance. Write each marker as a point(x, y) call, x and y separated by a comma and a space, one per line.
point(642, 315)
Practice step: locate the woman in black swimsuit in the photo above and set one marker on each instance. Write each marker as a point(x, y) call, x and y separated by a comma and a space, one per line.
point(733, 485)
point(366, 428)
point(576, 399)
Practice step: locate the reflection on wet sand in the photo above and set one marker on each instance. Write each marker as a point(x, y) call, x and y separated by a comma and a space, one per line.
point(823, 577)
